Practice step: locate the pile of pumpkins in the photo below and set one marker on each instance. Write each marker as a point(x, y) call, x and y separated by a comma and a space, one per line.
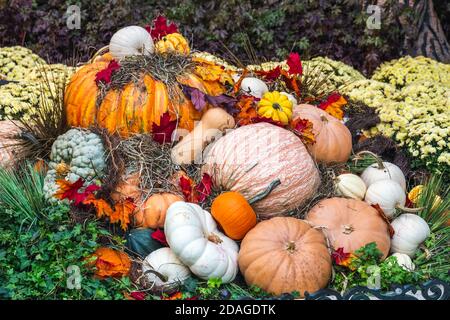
point(265, 172)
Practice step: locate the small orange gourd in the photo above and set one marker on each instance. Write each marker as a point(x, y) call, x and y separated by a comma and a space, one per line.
point(152, 212)
point(234, 214)
point(128, 187)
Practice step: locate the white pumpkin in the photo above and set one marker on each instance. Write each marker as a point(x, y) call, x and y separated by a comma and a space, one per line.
point(290, 97)
point(350, 185)
point(383, 170)
point(404, 261)
point(254, 87)
point(131, 41)
point(164, 271)
point(388, 194)
point(410, 231)
point(192, 234)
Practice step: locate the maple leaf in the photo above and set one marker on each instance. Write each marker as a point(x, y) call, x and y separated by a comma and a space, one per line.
point(293, 83)
point(304, 129)
point(70, 191)
point(104, 76)
point(188, 189)
point(270, 75)
point(333, 105)
point(203, 189)
point(161, 28)
point(122, 212)
point(101, 206)
point(385, 218)
point(342, 258)
point(137, 295)
point(162, 133)
point(209, 71)
point(295, 64)
point(247, 110)
point(160, 236)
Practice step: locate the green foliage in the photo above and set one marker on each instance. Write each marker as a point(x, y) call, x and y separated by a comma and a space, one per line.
point(367, 266)
point(35, 263)
point(21, 194)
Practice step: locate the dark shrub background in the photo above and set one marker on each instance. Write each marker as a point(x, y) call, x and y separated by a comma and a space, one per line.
point(273, 27)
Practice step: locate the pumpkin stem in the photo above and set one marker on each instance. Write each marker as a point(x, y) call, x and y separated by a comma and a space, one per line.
point(99, 52)
point(162, 277)
point(348, 228)
point(377, 158)
point(291, 246)
point(214, 238)
point(266, 192)
point(410, 210)
point(323, 118)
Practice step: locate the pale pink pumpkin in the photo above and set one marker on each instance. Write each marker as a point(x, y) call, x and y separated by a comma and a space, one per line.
point(248, 159)
point(8, 142)
point(333, 139)
point(350, 224)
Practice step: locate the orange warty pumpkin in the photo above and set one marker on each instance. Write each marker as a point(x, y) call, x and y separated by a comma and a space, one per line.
point(134, 108)
point(350, 224)
point(285, 254)
point(333, 139)
point(234, 214)
point(152, 213)
point(128, 187)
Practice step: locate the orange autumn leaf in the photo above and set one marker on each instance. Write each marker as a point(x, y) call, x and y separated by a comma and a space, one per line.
point(208, 71)
point(111, 263)
point(102, 207)
point(176, 296)
point(334, 105)
point(237, 85)
point(292, 82)
point(247, 110)
point(304, 129)
point(122, 212)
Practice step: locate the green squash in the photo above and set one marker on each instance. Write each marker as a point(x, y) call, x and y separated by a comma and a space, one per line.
point(139, 242)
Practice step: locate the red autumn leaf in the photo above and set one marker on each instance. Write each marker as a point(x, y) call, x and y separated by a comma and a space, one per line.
point(295, 64)
point(188, 189)
point(339, 256)
point(70, 191)
point(203, 189)
point(104, 76)
point(268, 120)
point(333, 105)
point(385, 218)
point(161, 28)
point(270, 75)
point(162, 133)
point(160, 236)
point(303, 128)
point(192, 298)
point(137, 295)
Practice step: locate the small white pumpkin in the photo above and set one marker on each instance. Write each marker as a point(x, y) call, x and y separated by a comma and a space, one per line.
point(388, 194)
point(254, 87)
point(410, 231)
point(404, 261)
point(350, 185)
point(131, 41)
point(290, 97)
point(192, 234)
point(164, 271)
point(383, 170)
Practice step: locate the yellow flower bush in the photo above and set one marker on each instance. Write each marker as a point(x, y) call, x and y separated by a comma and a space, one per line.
point(16, 62)
point(407, 70)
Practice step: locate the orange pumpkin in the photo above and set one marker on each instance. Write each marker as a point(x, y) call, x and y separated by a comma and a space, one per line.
point(333, 139)
point(128, 187)
point(152, 213)
point(234, 214)
point(285, 254)
point(134, 108)
point(350, 224)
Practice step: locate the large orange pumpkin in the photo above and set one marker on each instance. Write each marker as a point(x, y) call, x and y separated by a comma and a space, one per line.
point(285, 254)
point(333, 139)
point(350, 224)
point(234, 214)
point(134, 108)
point(152, 213)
